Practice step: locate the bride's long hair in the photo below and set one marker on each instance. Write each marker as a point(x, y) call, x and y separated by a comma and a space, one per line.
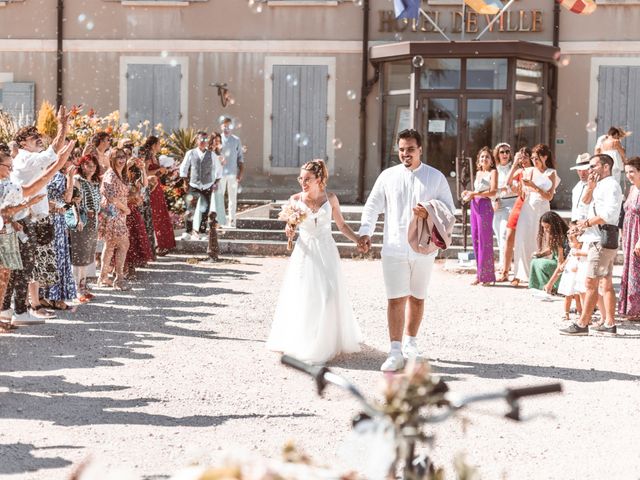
point(319, 170)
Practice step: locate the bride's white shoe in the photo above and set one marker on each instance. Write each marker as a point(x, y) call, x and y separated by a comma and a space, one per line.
point(393, 363)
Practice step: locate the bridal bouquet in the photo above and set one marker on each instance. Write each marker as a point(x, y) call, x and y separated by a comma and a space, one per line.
point(294, 216)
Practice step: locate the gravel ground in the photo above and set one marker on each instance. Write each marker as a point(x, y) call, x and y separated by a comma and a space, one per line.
point(175, 371)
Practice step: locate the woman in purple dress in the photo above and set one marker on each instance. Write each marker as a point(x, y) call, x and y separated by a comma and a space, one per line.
point(629, 299)
point(485, 187)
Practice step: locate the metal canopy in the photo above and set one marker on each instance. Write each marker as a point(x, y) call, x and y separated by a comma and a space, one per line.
point(485, 49)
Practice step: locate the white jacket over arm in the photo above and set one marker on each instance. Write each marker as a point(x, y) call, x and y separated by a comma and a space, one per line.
point(396, 192)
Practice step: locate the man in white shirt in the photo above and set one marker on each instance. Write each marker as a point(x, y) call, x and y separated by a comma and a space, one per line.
point(397, 193)
point(579, 209)
point(232, 172)
point(604, 197)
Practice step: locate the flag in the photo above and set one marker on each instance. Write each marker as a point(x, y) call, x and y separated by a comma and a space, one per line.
point(406, 8)
point(484, 7)
point(582, 7)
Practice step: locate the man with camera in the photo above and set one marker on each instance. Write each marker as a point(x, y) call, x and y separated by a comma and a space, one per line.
point(600, 231)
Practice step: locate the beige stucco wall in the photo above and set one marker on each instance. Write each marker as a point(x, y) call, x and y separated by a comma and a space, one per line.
point(110, 30)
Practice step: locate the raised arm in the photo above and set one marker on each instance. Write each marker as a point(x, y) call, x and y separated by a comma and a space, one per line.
point(40, 183)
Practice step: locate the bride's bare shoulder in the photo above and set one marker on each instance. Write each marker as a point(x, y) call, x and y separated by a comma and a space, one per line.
point(295, 197)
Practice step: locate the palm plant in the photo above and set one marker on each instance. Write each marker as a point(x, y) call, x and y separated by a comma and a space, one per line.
point(181, 141)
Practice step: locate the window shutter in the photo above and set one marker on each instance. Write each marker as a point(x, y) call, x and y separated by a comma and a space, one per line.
point(18, 99)
point(139, 94)
point(166, 96)
point(299, 127)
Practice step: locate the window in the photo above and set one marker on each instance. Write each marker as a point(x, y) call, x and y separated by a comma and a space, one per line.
point(18, 99)
point(440, 73)
point(487, 73)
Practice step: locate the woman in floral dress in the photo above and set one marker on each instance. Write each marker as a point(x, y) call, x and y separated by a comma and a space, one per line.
point(629, 299)
point(59, 191)
point(113, 220)
point(163, 228)
point(140, 250)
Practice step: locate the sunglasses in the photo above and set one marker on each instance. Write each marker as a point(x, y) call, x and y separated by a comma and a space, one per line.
point(504, 151)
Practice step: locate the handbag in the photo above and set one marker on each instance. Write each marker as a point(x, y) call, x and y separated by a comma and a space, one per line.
point(10, 251)
point(609, 236)
point(44, 231)
point(72, 221)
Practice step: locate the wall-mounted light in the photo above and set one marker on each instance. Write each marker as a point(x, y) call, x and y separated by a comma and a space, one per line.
point(223, 93)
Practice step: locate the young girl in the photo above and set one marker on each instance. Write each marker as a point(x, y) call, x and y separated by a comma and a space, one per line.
point(571, 282)
point(313, 320)
point(552, 238)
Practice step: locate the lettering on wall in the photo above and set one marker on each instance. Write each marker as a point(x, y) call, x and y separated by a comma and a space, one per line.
point(454, 22)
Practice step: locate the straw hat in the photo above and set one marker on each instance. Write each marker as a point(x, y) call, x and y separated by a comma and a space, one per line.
point(582, 162)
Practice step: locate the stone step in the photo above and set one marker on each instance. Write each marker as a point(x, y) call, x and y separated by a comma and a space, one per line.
point(255, 223)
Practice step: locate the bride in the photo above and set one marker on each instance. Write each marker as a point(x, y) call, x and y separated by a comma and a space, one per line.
point(313, 319)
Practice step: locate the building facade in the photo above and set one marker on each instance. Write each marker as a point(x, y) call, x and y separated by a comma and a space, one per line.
point(293, 70)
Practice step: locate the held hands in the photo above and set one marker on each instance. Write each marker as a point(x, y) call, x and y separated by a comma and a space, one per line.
point(364, 244)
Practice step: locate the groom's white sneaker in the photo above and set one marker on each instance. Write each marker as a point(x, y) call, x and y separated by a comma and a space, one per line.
point(394, 362)
point(411, 351)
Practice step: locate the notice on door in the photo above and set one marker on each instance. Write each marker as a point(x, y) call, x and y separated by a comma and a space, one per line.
point(437, 126)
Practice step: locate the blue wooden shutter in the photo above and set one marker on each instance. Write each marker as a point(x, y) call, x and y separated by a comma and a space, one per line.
point(299, 126)
point(618, 97)
point(139, 94)
point(18, 99)
point(153, 93)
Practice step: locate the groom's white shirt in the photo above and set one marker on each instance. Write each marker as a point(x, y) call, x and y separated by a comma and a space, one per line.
point(396, 191)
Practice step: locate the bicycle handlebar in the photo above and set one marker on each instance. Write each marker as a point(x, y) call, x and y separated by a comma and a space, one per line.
point(516, 393)
point(322, 375)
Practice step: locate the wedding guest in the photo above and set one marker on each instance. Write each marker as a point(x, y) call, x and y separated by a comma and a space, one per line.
point(539, 185)
point(99, 145)
point(505, 197)
point(113, 220)
point(84, 240)
point(521, 161)
point(13, 199)
point(629, 303)
point(611, 145)
point(28, 165)
point(140, 250)
point(485, 187)
point(163, 228)
point(604, 196)
point(232, 172)
point(60, 191)
point(397, 192)
point(571, 270)
point(579, 209)
point(552, 243)
point(320, 323)
point(199, 167)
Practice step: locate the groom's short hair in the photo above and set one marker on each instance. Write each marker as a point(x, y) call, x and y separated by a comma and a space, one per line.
point(411, 133)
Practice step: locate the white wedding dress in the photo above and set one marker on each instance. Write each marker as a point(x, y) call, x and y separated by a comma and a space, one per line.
point(313, 319)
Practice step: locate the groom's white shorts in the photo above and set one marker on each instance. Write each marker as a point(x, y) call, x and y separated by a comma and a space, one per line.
point(404, 277)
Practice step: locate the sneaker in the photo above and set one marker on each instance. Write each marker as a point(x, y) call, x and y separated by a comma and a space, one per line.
point(185, 236)
point(195, 236)
point(410, 351)
point(393, 363)
point(26, 319)
point(604, 330)
point(7, 314)
point(575, 330)
point(41, 313)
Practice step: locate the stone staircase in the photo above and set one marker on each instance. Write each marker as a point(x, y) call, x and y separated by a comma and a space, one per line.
point(259, 232)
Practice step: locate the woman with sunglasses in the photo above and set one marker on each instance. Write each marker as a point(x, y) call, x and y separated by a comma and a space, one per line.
point(505, 197)
point(539, 185)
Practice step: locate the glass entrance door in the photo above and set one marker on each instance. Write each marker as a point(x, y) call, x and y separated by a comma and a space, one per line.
point(458, 127)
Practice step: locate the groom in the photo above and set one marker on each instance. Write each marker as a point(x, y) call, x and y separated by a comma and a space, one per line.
point(397, 192)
